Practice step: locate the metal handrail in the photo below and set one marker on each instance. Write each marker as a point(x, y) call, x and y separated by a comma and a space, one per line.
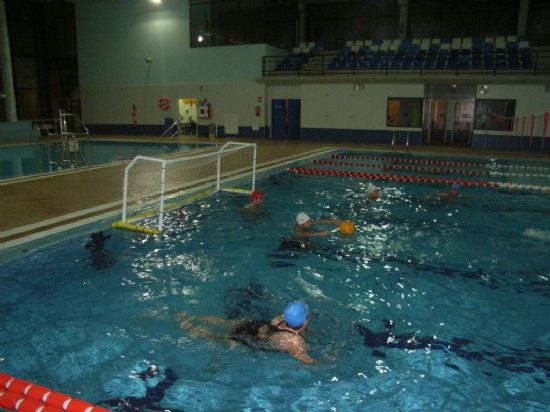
point(539, 64)
point(177, 132)
point(63, 125)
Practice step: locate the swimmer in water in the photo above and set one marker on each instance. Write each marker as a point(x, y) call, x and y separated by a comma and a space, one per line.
point(256, 200)
point(285, 333)
point(373, 193)
point(304, 224)
point(452, 194)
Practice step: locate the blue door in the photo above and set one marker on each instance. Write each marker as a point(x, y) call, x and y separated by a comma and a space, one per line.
point(278, 116)
point(293, 116)
point(285, 118)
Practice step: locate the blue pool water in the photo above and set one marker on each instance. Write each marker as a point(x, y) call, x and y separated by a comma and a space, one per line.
point(32, 159)
point(428, 307)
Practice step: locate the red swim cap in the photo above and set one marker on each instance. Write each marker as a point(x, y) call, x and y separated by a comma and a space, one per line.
point(256, 195)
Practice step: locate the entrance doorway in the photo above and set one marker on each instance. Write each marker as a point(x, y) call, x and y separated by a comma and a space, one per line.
point(448, 115)
point(187, 116)
point(437, 126)
point(463, 122)
point(285, 119)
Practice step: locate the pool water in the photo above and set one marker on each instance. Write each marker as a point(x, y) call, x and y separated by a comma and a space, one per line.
point(430, 306)
point(32, 159)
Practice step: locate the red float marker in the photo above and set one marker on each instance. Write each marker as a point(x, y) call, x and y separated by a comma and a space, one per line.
point(23, 396)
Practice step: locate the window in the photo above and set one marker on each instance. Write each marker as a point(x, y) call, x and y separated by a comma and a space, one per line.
point(236, 22)
point(404, 112)
point(500, 113)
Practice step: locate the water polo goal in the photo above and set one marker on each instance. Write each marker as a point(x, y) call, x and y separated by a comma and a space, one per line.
point(152, 186)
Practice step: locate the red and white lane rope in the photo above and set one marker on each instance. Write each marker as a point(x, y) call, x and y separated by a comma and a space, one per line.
point(444, 162)
point(421, 169)
point(415, 179)
point(412, 168)
point(22, 396)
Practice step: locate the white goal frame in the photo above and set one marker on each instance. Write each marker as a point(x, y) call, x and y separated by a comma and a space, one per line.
point(217, 156)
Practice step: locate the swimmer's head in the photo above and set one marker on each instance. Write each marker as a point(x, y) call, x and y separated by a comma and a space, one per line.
point(372, 192)
point(302, 218)
point(295, 314)
point(456, 186)
point(256, 196)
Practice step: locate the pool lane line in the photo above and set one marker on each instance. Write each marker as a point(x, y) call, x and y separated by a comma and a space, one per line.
point(442, 162)
point(415, 179)
point(431, 169)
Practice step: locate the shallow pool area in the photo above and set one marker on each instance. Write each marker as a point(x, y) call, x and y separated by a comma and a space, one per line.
point(38, 158)
point(429, 306)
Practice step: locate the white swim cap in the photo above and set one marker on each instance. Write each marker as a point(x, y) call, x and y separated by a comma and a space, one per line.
point(302, 218)
point(372, 188)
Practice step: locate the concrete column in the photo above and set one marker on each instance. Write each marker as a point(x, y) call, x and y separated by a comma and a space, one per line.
point(5, 62)
point(403, 17)
point(523, 11)
point(301, 22)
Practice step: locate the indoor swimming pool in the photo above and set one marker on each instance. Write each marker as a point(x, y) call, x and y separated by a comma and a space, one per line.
point(32, 159)
point(429, 306)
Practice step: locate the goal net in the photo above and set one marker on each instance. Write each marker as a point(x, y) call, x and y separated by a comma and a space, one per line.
point(153, 186)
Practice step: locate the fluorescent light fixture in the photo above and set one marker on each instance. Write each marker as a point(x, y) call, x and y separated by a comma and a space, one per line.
point(156, 1)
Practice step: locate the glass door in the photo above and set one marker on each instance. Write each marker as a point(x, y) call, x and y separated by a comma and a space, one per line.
point(462, 123)
point(436, 122)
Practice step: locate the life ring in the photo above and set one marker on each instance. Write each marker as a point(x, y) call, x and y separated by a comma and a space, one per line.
point(164, 103)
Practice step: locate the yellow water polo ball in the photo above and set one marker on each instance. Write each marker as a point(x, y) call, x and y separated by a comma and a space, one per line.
point(347, 228)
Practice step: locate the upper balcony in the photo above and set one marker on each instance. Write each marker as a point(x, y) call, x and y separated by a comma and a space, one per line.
point(491, 59)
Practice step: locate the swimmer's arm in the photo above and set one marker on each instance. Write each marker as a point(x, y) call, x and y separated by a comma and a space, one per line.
point(327, 222)
point(278, 320)
point(299, 353)
point(305, 235)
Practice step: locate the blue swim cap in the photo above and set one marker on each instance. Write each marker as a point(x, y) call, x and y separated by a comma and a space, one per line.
point(456, 186)
point(295, 314)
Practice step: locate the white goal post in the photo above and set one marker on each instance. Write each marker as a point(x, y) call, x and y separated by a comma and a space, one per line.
point(150, 182)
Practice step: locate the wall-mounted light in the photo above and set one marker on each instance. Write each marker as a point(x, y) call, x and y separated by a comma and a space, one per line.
point(200, 38)
point(156, 1)
point(148, 60)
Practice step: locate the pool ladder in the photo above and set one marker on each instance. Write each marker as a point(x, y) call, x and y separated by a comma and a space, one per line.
point(71, 148)
point(393, 138)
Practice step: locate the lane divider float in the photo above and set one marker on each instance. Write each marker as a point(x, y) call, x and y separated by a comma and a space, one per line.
point(395, 178)
point(416, 179)
point(23, 396)
point(413, 168)
point(442, 162)
point(420, 169)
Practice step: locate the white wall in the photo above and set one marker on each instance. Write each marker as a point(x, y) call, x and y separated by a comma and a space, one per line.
point(530, 99)
point(340, 106)
point(113, 105)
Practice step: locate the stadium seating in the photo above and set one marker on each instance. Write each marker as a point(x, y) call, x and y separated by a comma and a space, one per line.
point(498, 53)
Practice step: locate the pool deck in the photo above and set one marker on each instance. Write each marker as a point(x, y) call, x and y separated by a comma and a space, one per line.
point(34, 207)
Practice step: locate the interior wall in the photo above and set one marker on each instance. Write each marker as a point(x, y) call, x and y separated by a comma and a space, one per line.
point(111, 105)
point(346, 106)
point(530, 99)
point(119, 85)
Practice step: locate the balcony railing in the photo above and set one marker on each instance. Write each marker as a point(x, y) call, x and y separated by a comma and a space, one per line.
point(454, 62)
